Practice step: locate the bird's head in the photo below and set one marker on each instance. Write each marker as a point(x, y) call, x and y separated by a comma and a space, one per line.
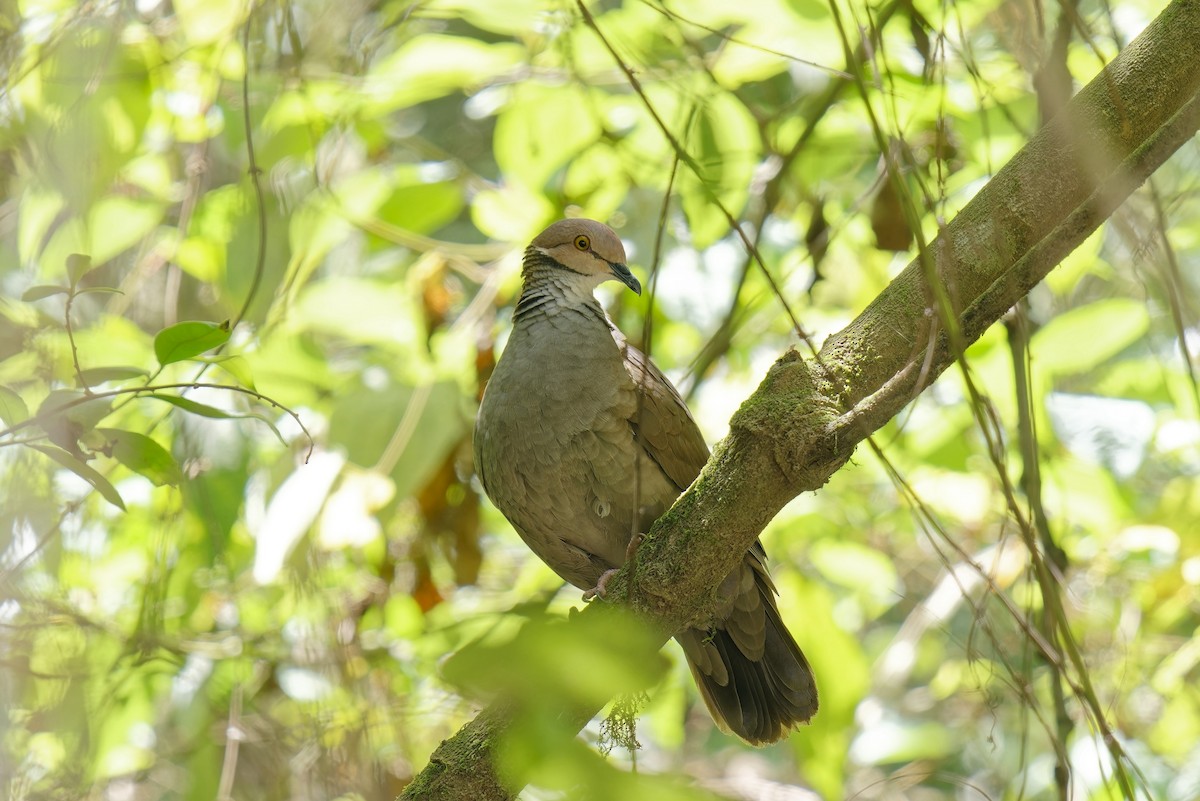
point(588, 249)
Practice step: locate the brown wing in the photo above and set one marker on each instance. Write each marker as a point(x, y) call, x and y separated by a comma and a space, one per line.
point(662, 424)
point(752, 675)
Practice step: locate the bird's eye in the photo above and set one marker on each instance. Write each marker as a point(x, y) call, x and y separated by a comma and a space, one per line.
point(582, 242)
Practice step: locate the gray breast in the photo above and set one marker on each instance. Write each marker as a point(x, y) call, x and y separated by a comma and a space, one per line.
point(555, 448)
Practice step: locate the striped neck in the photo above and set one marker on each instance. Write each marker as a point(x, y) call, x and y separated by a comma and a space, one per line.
point(549, 287)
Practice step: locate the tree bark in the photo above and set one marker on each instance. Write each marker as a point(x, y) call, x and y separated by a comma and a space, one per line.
point(805, 419)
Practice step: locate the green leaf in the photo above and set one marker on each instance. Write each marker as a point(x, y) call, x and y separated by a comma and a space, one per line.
point(195, 407)
point(723, 140)
point(433, 65)
point(361, 310)
point(75, 406)
point(543, 128)
point(118, 223)
point(99, 482)
point(857, 567)
point(142, 455)
point(69, 415)
point(98, 375)
point(204, 410)
point(43, 291)
point(112, 290)
point(12, 409)
point(1084, 338)
point(78, 265)
point(363, 423)
point(185, 340)
point(833, 651)
point(208, 21)
point(424, 207)
point(619, 649)
point(236, 366)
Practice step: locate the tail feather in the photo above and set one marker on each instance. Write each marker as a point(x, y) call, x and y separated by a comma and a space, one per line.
point(758, 697)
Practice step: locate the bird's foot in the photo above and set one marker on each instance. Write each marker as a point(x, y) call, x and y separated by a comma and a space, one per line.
point(601, 588)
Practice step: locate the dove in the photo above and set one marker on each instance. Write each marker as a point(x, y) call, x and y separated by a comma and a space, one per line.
point(582, 443)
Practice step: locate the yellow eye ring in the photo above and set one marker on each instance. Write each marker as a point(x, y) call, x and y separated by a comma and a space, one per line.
point(582, 242)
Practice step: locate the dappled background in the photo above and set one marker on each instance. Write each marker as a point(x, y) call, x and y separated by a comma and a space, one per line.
point(256, 264)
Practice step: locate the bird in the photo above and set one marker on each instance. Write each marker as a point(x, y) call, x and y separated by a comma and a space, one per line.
point(582, 443)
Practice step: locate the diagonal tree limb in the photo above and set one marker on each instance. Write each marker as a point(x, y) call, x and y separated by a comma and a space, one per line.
point(805, 419)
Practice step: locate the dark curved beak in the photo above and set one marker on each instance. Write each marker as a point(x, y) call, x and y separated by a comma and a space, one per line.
point(622, 274)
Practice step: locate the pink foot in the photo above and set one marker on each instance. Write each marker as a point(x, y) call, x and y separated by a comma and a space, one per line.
point(601, 588)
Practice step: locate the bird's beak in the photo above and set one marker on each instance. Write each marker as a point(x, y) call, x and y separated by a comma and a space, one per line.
point(622, 274)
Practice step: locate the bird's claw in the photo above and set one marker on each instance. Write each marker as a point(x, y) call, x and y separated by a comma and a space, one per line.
point(601, 588)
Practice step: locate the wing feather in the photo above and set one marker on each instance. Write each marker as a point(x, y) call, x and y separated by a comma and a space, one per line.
point(662, 424)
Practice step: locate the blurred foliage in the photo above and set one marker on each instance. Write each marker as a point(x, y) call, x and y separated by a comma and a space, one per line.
point(221, 223)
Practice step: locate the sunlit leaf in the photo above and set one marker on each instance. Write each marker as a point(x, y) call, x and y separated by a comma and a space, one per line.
point(76, 466)
point(1082, 339)
point(78, 265)
point(12, 408)
point(185, 340)
point(542, 128)
point(856, 566)
point(43, 291)
point(113, 225)
point(40, 206)
point(843, 679)
point(361, 310)
point(99, 375)
point(365, 424)
point(236, 366)
point(434, 65)
point(201, 257)
point(74, 405)
point(508, 17)
point(510, 212)
point(402, 617)
point(424, 207)
point(204, 410)
point(724, 145)
point(204, 251)
point(534, 665)
point(99, 290)
point(207, 21)
point(142, 455)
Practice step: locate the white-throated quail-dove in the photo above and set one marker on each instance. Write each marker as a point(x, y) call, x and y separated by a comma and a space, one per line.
point(572, 419)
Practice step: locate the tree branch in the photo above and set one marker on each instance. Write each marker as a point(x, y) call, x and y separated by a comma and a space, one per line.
point(805, 419)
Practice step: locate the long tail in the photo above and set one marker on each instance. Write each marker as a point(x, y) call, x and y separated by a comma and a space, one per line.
point(750, 672)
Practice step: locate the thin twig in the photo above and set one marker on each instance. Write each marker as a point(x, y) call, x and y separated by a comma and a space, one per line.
point(687, 159)
point(1017, 326)
point(661, 8)
point(254, 172)
point(1175, 291)
point(647, 341)
point(149, 388)
point(69, 509)
point(233, 739)
point(71, 338)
